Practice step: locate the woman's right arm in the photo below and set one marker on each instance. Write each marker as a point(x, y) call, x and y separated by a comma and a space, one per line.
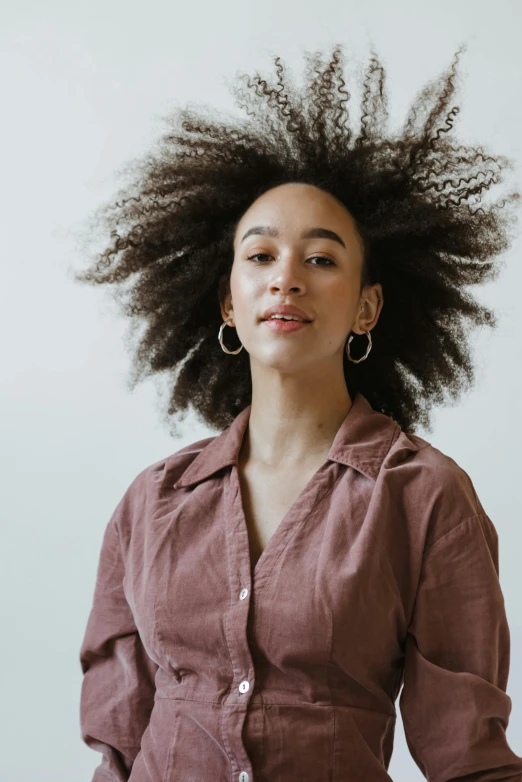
point(118, 688)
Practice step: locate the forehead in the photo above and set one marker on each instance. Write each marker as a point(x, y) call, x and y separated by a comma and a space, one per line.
point(294, 208)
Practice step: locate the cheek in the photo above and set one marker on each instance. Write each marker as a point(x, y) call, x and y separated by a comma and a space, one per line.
point(248, 292)
point(340, 309)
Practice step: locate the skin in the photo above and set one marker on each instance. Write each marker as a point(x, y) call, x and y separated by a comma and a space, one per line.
point(299, 394)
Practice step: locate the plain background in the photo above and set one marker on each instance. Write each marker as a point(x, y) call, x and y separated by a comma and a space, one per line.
point(83, 88)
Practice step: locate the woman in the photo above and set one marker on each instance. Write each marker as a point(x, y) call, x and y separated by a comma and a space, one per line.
point(263, 594)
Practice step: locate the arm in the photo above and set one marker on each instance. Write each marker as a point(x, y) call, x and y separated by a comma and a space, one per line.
point(118, 687)
point(454, 704)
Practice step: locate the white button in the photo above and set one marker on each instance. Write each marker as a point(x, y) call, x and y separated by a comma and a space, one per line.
point(244, 686)
point(242, 595)
point(243, 776)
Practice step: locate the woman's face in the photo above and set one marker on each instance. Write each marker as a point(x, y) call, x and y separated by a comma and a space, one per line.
point(276, 263)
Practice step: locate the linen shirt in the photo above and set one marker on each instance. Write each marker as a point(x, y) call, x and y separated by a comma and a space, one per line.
point(383, 574)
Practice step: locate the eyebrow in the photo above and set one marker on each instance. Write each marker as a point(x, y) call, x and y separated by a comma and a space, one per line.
point(311, 233)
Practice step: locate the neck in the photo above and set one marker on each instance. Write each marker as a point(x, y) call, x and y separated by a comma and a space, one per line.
point(293, 423)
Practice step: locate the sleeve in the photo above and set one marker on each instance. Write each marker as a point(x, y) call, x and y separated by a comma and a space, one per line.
point(118, 688)
point(454, 704)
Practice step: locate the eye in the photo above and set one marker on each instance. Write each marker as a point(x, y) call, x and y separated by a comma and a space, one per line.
point(322, 258)
point(256, 255)
point(313, 258)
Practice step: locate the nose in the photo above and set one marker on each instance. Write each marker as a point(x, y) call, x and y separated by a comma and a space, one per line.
point(287, 276)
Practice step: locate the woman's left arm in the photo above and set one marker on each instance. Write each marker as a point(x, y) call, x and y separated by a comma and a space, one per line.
point(454, 704)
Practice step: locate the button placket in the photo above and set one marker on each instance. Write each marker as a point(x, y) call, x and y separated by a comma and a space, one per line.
point(235, 704)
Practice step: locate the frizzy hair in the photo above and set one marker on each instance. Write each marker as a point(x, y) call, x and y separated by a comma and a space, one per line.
point(416, 198)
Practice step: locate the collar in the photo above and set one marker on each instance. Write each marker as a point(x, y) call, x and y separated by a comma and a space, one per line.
point(362, 441)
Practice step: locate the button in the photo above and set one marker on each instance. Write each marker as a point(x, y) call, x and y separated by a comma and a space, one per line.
point(243, 776)
point(243, 594)
point(244, 686)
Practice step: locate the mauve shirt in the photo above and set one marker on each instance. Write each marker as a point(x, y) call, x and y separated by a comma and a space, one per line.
point(383, 573)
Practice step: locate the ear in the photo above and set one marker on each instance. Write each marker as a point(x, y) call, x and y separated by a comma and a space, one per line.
point(371, 302)
point(225, 296)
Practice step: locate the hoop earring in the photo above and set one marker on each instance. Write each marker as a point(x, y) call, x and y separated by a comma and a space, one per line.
point(220, 338)
point(347, 349)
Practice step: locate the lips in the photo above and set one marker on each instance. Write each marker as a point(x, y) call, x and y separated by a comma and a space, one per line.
point(280, 326)
point(285, 309)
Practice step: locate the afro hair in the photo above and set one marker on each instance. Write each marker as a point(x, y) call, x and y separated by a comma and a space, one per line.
point(416, 198)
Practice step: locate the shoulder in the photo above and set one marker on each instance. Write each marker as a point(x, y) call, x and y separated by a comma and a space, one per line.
point(154, 483)
point(433, 486)
point(165, 472)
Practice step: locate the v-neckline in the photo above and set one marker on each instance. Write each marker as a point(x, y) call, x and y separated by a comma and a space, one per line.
point(295, 516)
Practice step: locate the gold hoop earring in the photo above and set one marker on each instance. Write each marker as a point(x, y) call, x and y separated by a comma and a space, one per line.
point(220, 338)
point(347, 349)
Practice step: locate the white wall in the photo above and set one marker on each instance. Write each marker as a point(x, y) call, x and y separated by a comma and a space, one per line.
point(82, 87)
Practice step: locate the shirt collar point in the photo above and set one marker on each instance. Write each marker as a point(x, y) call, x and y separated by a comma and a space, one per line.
point(362, 442)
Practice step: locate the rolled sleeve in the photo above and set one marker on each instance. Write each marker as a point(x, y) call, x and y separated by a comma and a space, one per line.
point(454, 704)
point(118, 688)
